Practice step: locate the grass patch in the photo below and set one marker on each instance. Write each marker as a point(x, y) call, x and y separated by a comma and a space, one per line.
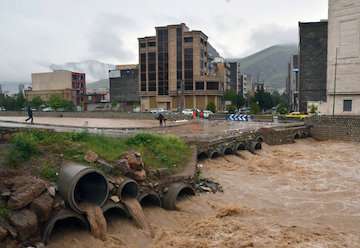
point(158, 151)
point(4, 212)
point(49, 172)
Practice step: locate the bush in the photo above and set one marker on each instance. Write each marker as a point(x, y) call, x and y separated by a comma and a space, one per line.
point(231, 109)
point(211, 107)
point(4, 212)
point(24, 146)
point(254, 108)
point(282, 109)
point(48, 172)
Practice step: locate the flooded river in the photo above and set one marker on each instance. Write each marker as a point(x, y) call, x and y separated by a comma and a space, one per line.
point(301, 195)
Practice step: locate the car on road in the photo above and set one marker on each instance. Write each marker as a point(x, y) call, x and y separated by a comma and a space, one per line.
point(297, 115)
point(157, 110)
point(207, 114)
point(187, 112)
point(48, 109)
point(2, 109)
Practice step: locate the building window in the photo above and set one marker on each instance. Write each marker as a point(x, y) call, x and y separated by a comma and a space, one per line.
point(199, 85)
point(143, 71)
point(163, 62)
point(151, 43)
point(212, 85)
point(188, 39)
point(347, 106)
point(142, 45)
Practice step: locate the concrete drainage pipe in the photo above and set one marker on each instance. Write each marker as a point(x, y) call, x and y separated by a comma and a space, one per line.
point(176, 192)
point(81, 184)
point(111, 206)
point(228, 151)
point(149, 199)
point(64, 215)
point(254, 146)
point(128, 189)
point(241, 147)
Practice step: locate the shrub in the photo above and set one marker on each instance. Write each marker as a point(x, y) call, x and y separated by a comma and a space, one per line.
point(231, 109)
point(4, 211)
point(24, 146)
point(254, 108)
point(48, 172)
point(211, 106)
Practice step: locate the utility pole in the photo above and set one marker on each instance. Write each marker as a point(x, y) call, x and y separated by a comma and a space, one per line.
point(334, 102)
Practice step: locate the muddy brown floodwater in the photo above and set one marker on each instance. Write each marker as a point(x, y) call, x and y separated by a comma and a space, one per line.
point(304, 195)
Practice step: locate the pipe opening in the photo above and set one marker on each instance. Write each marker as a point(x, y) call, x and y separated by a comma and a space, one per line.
point(129, 189)
point(115, 212)
point(297, 136)
point(260, 139)
point(241, 147)
point(215, 155)
point(185, 193)
point(62, 227)
point(91, 188)
point(258, 146)
point(228, 151)
point(202, 156)
point(149, 200)
point(304, 135)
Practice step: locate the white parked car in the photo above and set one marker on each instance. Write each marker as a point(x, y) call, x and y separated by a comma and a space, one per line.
point(48, 109)
point(187, 112)
point(207, 113)
point(2, 109)
point(158, 110)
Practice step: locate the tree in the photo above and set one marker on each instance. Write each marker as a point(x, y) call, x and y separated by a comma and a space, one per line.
point(211, 107)
point(36, 102)
point(313, 109)
point(56, 102)
point(264, 100)
point(282, 109)
point(254, 108)
point(236, 99)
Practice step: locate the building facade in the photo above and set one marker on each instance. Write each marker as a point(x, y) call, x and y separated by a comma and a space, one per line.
point(124, 85)
point(174, 70)
point(245, 85)
point(312, 63)
point(235, 77)
point(343, 74)
point(292, 83)
point(69, 85)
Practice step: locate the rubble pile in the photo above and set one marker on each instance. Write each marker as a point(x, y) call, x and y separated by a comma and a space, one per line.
point(26, 204)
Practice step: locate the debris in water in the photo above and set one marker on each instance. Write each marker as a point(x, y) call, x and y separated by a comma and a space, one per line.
point(96, 220)
point(207, 185)
point(137, 213)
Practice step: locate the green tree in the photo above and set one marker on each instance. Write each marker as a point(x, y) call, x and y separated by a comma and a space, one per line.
point(282, 109)
point(264, 100)
point(313, 109)
point(236, 99)
point(231, 109)
point(211, 107)
point(254, 108)
point(36, 102)
point(56, 102)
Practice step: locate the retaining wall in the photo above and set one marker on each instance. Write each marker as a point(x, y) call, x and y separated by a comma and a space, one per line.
point(346, 128)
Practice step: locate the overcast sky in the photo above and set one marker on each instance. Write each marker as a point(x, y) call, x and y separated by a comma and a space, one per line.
point(37, 33)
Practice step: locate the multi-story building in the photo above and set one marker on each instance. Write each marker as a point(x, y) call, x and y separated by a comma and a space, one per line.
point(175, 70)
point(69, 85)
point(312, 63)
point(292, 83)
point(343, 74)
point(124, 85)
point(235, 77)
point(245, 84)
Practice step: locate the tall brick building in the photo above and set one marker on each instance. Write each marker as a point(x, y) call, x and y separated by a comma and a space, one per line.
point(176, 70)
point(312, 63)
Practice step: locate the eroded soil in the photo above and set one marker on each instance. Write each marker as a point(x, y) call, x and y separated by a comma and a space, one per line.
point(301, 195)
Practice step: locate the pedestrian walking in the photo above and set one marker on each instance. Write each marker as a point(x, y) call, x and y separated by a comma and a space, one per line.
point(30, 115)
point(161, 118)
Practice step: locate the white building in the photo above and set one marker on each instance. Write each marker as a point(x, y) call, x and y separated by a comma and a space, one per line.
point(343, 79)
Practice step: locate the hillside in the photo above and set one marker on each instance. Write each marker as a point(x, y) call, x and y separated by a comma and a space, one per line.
point(269, 65)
